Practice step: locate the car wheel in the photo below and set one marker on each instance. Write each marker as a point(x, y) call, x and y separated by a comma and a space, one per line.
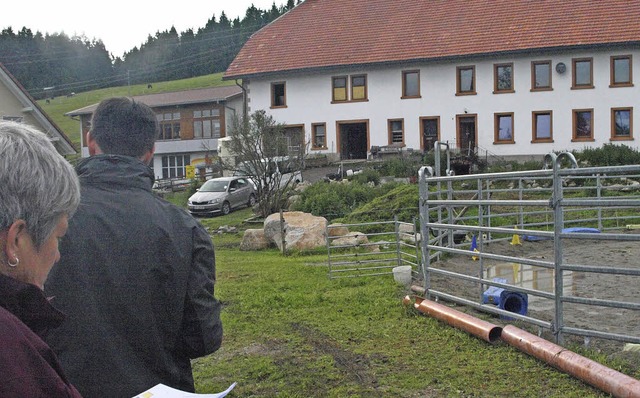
point(226, 208)
point(252, 200)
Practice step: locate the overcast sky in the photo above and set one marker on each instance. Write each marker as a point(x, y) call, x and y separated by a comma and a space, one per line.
point(120, 24)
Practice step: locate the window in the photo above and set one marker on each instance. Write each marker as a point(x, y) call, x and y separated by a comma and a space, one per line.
point(319, 136)
point(169, 125)
point(173, 166)
point(411, 84)
point(583, 125)
point(503, 78)
point(430, 132)
point(339, 86)
point(503, 128)
point(542, 127)
point(621, 71)
point(622, 123)
point(206, 123)
point(466, 80)
point(541, 75)
point(340, 90)
point(396, 131)
point(358, 88)
point(582, 73)
point(278, 95)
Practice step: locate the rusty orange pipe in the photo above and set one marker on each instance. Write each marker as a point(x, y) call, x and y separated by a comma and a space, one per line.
point(591, 372)
point(477, 327)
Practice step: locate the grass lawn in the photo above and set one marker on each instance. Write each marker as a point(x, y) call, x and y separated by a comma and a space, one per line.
point(289, 331)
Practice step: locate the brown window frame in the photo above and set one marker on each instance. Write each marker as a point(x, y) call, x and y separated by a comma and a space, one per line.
point(333, 89)
point(405, 73)
point(574, 127)
point(171, 123)
point(496, 128)
point(200, 118)
point(472, 91)
point(274, 104)
point(534, 75)
point(496, 89)
point(313, 136)
point(391, 131)
point(616, 137)
point(534, 126)
point(574, 85)
point(353, 86)
point(615, 58)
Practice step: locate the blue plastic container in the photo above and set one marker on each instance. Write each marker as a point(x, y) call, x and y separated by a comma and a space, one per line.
point(492, 294)
point(515, 302)
point(507, 300)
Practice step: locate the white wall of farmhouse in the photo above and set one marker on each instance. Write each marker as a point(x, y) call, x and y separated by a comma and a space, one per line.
point(309, 96)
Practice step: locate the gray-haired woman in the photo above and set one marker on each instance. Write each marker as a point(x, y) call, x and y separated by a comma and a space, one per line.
point(39, 191)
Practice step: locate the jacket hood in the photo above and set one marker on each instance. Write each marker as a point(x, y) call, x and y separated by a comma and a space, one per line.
point(115, 169)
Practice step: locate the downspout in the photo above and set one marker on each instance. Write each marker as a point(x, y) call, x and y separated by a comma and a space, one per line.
point(606, 379)
point(245, 112)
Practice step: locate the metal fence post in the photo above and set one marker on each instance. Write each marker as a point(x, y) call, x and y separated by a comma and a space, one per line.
point(282, 232)
point(397, 231)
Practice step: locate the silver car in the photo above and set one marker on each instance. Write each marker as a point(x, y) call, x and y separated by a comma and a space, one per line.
point(221, 195)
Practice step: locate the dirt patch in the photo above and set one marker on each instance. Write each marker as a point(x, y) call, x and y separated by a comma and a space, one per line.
point(576, 284)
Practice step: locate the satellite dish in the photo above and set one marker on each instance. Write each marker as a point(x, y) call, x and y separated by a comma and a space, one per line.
point(561, 67)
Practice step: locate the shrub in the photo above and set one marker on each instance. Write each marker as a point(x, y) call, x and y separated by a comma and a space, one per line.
point(400, 167)
point(334, 200)
point(368, 175)
point(608, 155)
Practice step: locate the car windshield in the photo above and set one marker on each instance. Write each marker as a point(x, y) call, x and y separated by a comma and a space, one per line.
point(214, 186)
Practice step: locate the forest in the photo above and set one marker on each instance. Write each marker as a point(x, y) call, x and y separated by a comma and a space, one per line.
point(53, 64)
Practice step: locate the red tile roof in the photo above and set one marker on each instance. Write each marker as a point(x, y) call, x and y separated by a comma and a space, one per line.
point(187, 97)
point(329, 33)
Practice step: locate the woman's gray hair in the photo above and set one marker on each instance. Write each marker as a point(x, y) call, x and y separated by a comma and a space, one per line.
point(37, 184)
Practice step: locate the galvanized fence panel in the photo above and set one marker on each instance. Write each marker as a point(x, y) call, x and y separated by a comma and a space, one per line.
point(371, 249)
point(562, 241)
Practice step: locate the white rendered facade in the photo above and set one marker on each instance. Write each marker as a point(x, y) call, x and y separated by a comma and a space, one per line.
point(308, 101)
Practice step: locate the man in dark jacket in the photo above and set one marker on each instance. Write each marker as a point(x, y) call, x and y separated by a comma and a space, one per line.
point(136, 275)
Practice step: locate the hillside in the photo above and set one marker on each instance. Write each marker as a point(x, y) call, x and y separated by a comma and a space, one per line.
point(57, 107)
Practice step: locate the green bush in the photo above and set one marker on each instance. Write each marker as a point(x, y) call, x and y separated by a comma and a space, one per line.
point(401, 167)
point(334, 200)
point(608, 155)
point(368, 175)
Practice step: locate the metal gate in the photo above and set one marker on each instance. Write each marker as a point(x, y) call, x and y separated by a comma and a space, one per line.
point(562, 239)
point(371, 249)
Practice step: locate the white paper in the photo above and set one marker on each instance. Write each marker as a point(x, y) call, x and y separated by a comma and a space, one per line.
point(162, 391)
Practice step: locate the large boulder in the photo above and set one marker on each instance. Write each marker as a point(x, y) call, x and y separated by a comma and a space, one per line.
point(302, 231)
point(337, 230)
point(254, 239)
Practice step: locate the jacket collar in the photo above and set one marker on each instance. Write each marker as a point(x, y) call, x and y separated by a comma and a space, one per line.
point(115, 170)
point(29, 304)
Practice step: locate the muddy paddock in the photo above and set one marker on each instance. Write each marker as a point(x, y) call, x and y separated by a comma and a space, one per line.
point(610, 287)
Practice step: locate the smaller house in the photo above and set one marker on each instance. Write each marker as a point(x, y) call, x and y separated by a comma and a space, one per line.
point(17, 105)
point(191, 122)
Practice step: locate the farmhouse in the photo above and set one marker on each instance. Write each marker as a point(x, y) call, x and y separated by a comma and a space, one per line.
point(514, 78)
point(191, 124)
point(17, 105)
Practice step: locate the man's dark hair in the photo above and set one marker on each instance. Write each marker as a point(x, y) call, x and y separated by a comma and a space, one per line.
point(121, 126)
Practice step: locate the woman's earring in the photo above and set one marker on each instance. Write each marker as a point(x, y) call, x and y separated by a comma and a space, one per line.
point(14, 264)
